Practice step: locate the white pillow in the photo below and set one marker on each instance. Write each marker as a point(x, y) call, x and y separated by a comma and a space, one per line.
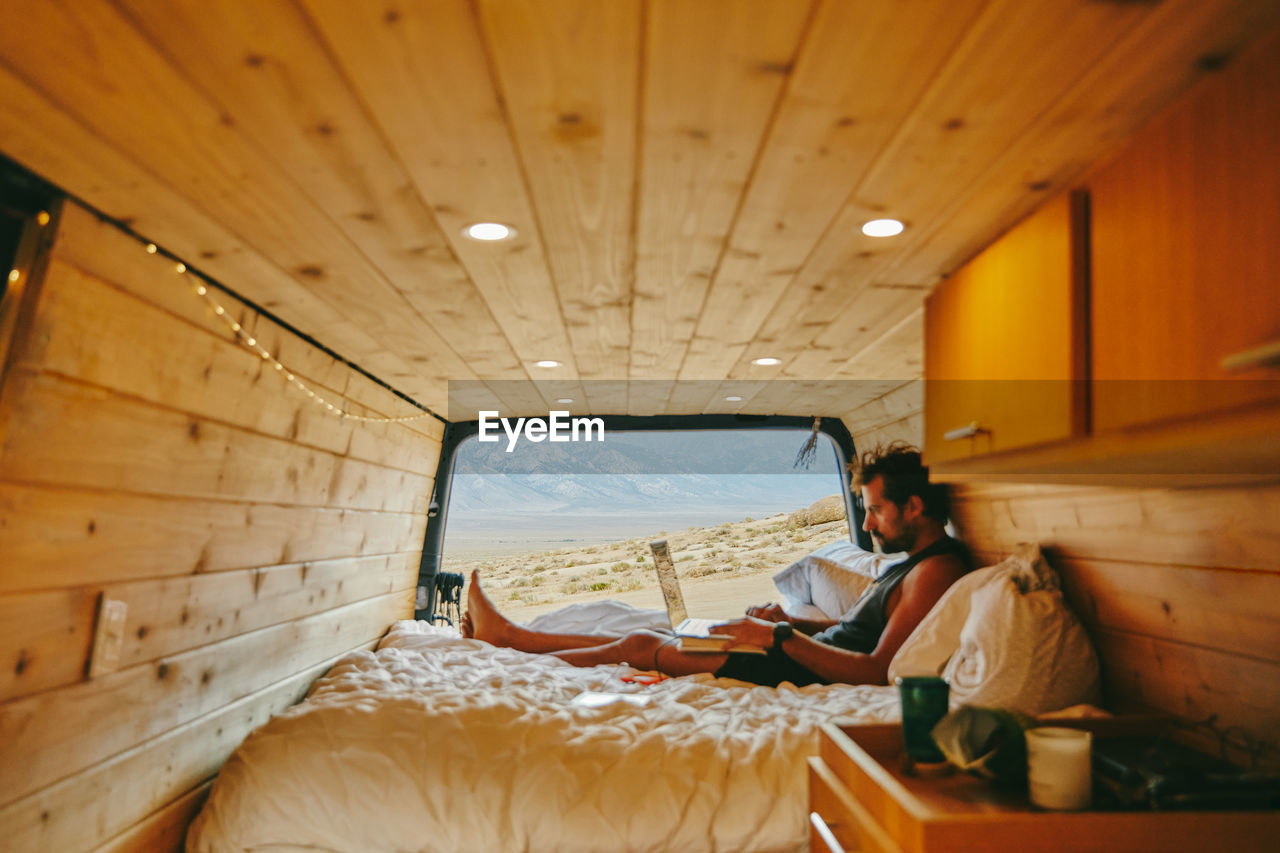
point(830, 579)
point(600, 617)
point(1004, 637)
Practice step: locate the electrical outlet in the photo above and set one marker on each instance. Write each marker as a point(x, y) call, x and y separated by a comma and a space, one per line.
point(108, 636)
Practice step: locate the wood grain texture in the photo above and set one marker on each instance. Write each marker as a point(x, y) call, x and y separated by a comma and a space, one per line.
point(41, 134)
point(457, 148)
point(1186, 211)
point(1178, 588)
point(830, 128)
point(207, 375)
point(140, 448)
point(100, 251)
point(1002, 338)
point(53, 735)
point(322, 158)
point(66, 537)
point(164, 830)
point(265, 61)
point(95, 805)
point(105, 72)
point(699, 145)
point(47, 635)
point(237, 599)
point(45, 638)
point(1179, 41)
point(868, 790)
point(568, 72)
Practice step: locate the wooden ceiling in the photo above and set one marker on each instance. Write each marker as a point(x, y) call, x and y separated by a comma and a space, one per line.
point(687, 178)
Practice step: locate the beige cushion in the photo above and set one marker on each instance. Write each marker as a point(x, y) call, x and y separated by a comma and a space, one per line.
point(1004, 637)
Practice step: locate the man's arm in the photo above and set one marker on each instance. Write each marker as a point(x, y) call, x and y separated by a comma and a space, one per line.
point(920, 591)
point(776, 613)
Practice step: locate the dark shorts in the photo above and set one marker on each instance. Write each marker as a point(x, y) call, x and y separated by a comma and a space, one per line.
point(769, 670)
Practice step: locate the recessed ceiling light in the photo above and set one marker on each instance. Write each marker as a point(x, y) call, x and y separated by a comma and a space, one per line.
point(565, 400)
point(489, 231)
point(768, 361)
point(733, 398)
point(546, 362)
point(882, 228)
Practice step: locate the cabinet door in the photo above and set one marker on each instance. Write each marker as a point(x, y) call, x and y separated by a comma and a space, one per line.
point(1186, 253)
point(1004, 340)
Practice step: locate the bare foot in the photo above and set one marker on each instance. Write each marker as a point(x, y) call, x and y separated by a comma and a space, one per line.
point(483, 621)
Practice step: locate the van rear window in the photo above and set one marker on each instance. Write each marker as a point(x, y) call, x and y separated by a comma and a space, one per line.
point(553, 524)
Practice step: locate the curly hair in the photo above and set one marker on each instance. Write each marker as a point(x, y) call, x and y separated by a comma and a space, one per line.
point(903, 474)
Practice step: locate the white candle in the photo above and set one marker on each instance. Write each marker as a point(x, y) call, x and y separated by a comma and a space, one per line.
point(1059, 768)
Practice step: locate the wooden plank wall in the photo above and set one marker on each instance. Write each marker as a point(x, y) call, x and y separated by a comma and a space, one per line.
point(1179, 588)
point(149, 458)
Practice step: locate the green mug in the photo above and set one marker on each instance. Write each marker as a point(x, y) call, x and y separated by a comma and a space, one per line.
point(924, 703)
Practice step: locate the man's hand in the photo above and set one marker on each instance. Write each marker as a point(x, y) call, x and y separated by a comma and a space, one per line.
point(768, 612)
point(746, 632)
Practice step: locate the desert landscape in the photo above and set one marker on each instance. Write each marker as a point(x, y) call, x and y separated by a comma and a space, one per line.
point(722, 568)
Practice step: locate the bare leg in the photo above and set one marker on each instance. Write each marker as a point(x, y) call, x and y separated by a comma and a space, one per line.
point(641, 649)
point(644, 650)
point(484, 622)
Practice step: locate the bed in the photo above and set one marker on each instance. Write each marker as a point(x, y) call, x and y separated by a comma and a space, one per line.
point(437, 743)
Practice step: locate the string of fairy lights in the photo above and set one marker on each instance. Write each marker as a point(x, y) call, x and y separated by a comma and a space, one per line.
point(335, 405)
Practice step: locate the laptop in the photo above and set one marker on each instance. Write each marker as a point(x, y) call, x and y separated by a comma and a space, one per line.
point(695, 634)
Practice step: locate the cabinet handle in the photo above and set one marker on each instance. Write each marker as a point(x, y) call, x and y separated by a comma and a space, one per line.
point(963, 432)
point(825, 833)
point(1257, 357)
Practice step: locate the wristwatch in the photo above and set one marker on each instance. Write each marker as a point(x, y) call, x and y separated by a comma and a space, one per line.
point(782, 632)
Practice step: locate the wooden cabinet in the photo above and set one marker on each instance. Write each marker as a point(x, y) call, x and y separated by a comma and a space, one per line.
point(1186, 253)
point(1179, 345)
point(1004, 341)
point(861, 800)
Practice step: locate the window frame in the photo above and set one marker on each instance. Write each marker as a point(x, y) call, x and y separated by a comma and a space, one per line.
point(456, 432)
point(23, 197)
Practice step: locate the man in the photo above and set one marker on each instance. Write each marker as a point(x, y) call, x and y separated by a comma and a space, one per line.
point(904, 512)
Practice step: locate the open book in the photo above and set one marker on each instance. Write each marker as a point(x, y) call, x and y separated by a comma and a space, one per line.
point(695, 634)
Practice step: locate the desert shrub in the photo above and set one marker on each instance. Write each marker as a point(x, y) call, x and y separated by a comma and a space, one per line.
point(571, 587)
point(619, 566)
point(600, 585)
point(629, 582)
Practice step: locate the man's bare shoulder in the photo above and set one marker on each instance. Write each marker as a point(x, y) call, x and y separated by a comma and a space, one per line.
point(937, 572)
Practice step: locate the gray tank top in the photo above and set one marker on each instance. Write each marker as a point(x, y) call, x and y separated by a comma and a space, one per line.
point(862, 625)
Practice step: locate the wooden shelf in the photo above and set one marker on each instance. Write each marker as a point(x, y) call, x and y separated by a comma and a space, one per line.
point(860, 792)
point(1241, 446)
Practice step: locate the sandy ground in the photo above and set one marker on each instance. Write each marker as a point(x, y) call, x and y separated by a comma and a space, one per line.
point(722, 569)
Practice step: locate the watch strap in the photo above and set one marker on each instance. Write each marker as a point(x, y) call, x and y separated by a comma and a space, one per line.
point(782, 631)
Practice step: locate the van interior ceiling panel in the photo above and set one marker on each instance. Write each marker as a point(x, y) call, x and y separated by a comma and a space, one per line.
point(269, 264)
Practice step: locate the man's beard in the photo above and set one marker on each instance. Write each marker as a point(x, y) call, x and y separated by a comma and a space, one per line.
point(901, 542)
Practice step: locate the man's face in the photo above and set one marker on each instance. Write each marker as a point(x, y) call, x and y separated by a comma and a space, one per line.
point(892, 529)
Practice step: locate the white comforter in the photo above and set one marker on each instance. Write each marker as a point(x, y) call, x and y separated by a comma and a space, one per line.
point(435, 743)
